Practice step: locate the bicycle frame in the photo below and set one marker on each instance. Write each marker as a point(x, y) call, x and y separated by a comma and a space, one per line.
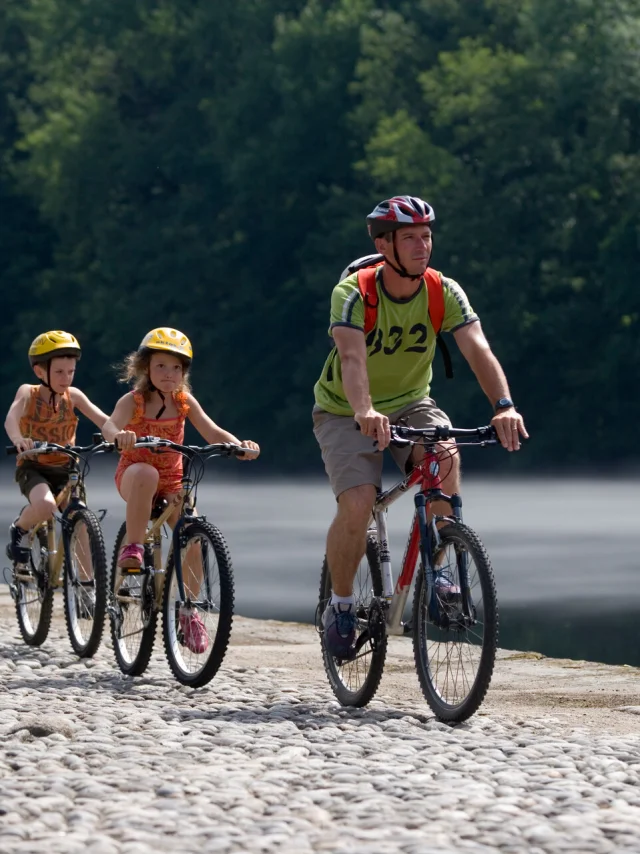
point(423, 535)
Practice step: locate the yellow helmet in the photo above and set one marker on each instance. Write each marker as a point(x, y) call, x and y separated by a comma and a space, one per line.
point(51, 344)
point(168, 341)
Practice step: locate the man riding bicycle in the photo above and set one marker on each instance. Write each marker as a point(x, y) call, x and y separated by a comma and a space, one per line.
point(384, 378)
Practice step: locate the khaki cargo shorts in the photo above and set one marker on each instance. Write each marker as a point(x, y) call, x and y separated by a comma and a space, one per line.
point(350, 458)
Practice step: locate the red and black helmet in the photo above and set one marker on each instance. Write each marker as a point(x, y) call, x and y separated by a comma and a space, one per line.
point(399, 212)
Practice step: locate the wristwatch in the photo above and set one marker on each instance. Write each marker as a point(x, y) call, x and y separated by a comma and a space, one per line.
point(504, 403)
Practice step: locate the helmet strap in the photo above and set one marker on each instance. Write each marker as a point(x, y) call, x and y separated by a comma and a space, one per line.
point(162, 398)
point(47, 384)
point(398, 267)
point(164, 406)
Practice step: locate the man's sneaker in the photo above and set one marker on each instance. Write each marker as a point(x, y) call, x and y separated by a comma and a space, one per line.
point(447, 590)
point(339, 623)
point(194, 632)
point(131, 556)
point(15, 550)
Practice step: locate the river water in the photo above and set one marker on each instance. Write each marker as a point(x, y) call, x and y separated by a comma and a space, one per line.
point(566, 553)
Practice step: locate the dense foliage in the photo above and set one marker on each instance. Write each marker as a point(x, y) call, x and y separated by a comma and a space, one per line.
point(209, 166)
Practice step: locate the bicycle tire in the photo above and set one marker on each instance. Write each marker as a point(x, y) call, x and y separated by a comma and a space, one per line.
point(85, 601)
point(34, 600)
point(139, 618)
point(355, 682)
point(191, 669)
point(435, 647)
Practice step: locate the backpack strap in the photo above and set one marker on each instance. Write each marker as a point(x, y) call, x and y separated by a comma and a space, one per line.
point(369, 291)
point(436, 315)
point(436, 299)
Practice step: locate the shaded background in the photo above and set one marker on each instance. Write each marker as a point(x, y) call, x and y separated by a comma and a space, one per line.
point(209, 166)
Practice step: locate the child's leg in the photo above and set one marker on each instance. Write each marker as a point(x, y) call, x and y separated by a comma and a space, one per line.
point(196, 635)
point(138, 486)
point(192, 568)
point(41, 507)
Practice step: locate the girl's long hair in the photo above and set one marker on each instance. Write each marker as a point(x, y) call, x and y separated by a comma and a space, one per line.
point(134, 370)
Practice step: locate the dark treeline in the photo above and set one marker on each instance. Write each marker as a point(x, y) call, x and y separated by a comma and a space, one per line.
point(208, 165)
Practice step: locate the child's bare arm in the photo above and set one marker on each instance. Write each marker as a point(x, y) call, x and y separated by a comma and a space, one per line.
point(82, 402)
point(12, 421)
point(113, 428)
point(211, 433)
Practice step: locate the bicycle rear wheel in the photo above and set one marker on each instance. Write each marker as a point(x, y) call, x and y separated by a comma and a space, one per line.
point(455, 652)
point(32, 593)
point(355, 682)
point(85, 583)
point(195, 650)
point(134, 620)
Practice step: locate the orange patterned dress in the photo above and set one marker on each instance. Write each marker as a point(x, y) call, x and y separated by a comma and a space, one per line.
point(168, 463)
point(43, 423)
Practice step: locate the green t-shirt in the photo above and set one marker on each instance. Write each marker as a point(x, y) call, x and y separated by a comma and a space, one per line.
point(400, 348)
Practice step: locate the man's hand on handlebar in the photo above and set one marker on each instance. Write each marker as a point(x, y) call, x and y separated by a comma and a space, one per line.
point(509, 426)
point(374, 425)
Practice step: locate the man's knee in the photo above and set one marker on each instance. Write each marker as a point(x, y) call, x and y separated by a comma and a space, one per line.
point(355, 505)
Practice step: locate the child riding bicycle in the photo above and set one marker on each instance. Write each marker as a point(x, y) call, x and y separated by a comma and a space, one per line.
point(158, 405)
point(45, 412)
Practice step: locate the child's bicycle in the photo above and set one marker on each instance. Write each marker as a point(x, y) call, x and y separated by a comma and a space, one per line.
point(198, 580)
point(76, 559)
point(455, 611)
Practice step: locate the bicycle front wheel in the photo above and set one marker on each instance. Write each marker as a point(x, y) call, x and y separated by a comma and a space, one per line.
point(33, 595)
point(196, 630)
point(133, 615)
point(85, 583)
point(355, 682)
point(455, 645)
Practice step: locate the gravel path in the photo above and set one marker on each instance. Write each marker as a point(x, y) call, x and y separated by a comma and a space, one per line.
point(264, 760)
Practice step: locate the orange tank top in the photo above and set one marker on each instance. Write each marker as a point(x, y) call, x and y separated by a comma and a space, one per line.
point(43, 423)
point(168, 463)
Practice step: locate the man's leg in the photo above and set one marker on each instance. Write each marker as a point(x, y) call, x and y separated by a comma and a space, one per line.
point(346, 540)
point(354, 468)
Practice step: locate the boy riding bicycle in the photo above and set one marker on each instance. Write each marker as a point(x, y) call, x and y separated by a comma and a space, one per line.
point(45, 413)
point(384, 377)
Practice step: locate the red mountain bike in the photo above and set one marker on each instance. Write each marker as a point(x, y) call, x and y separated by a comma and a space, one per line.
point(454, 622)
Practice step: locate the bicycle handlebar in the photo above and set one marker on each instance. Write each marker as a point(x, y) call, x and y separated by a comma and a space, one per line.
point(219, 449)
point(441, 433)
point(53, 448)
point(402, 436)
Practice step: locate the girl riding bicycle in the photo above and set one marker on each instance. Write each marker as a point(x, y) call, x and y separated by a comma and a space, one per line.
point(45, 412)
point(158, 405)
